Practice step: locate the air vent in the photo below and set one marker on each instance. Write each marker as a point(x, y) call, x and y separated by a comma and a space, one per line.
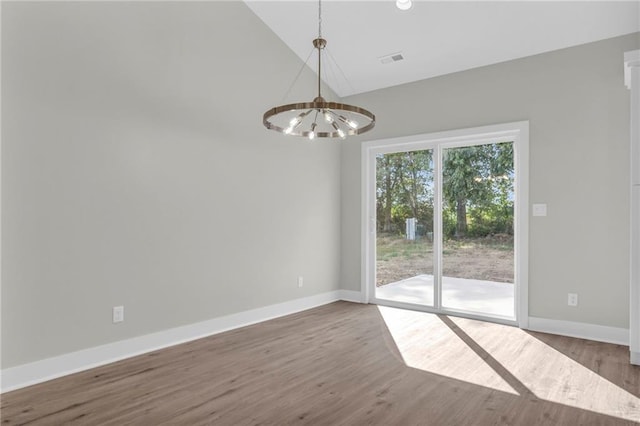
point(394, 57)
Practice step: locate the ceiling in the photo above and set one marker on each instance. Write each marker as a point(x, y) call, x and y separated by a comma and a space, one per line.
point(436, 37)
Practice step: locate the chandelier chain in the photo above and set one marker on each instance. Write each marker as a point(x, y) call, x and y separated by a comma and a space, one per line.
point(319, 18)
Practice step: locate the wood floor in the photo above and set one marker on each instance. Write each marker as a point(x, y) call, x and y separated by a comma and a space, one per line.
point(350, 364)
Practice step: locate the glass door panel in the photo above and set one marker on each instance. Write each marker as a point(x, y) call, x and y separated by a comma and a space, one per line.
point(404, 227)
point(478, 229)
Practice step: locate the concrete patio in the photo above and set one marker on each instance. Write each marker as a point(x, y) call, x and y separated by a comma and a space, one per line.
point(483, 297)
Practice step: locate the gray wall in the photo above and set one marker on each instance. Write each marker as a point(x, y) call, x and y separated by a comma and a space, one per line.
point(578, 110)
point(136, 171)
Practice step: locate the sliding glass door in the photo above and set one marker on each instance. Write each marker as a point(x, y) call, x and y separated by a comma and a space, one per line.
point(477, 229)
point(404, 223)
point(442, 226)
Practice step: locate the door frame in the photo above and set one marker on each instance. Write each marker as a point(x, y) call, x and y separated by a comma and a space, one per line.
point(516, 132)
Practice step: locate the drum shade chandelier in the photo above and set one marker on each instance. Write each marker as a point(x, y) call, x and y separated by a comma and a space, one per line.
point(319, 118)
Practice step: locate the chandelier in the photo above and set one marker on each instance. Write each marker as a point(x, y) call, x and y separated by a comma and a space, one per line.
point(319, 118)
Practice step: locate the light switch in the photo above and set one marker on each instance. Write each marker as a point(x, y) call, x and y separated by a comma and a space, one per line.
point(539, 209)
point(118, 314)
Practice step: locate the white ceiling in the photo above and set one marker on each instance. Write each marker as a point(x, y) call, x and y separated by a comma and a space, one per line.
point(436, 37)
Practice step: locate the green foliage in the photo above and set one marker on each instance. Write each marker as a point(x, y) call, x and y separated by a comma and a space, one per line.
point(478, 187)
point(478, 183)
point(404, 190)
point(399, 213)
point(491, 220)
point(448, 223)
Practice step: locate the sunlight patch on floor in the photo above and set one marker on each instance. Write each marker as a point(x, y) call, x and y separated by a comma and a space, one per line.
point(426, 331)
point(504, 358)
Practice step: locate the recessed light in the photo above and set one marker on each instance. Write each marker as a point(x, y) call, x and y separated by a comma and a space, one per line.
point(404, 4)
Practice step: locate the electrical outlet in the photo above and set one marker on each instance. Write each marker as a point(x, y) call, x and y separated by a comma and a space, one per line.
point(572, 299)
point(300, 281)
point(118, 314)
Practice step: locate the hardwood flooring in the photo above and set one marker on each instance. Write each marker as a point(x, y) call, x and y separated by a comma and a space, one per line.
point(350, 364)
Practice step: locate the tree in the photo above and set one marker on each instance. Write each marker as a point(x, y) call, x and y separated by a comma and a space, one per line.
point(474, 175)
point(404, 188)
point(415, 179)
point(477, 189)
point(387, 180)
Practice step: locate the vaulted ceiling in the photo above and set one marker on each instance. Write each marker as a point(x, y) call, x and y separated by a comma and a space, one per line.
point(436, 37)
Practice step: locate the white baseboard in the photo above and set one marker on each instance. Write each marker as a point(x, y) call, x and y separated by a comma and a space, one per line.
point(350, 296)
point(635, 358)
point(599, 333)
point(51, 368)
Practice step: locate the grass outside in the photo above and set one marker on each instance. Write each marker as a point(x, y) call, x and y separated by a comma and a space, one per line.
point(488, 258)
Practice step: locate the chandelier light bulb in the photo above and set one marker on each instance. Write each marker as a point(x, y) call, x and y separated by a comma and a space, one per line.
point(328, 117)
point(341, 132)
point(295, 122)
point(312, 133)
point(351, 123)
